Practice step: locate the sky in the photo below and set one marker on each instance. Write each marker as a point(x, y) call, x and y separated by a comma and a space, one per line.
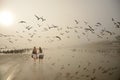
point(57, 12)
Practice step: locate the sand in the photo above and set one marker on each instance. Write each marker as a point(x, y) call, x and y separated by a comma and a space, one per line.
point(62, 64)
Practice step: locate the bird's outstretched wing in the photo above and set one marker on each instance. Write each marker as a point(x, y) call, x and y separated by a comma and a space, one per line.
point(76, 22)
point(37, 17)
point(22, 22)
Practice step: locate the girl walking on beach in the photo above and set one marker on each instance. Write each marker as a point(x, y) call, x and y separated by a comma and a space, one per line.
point(34, 54)
point(40, 54)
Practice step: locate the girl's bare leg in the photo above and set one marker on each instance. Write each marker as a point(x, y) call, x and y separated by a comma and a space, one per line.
point(34, 59)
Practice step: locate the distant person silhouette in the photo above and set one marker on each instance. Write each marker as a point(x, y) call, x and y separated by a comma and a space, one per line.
point(34, 54)
point(40, 54)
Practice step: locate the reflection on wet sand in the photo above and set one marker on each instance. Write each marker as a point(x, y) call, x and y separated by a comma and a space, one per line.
point(73, 64)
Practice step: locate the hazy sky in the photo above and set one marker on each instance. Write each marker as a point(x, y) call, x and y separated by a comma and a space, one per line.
point(61, 13)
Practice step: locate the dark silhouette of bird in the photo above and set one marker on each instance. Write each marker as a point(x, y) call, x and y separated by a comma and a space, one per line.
point(104, 71)
point(102, 32)
point(67, 74)
point(45, 29)
point(83, 33)
point(59, 29)
point(53, 64)
point(78, 36)
point(99, 23)
point(89, 29)
point(94, 70)
point(10, 41)
point(77, 27)
point(100, 67)
point(93, 78)
point(35, 30)
point(67, 31)
point(84, 68)
point(49, 27)
point(54, 26)
point(39, 36)
point(113, 19)
point(38, 18)
point(22, 22)
point(69, 27)
point(99, 36)
point(29, 40)
point(85, 22)
point(4, 35)
point(16, 39)
point(20, 36)
point(28, 27)
point(31, 36)
point(17, 32)
point(39, 25)
point(58, 37)
point(61, 33)
point(68, 36)
point(42, 19)
point(109, 32)
point(76, 21)
point(87, 76)
point(116, 25)
point(68, 64)
point(110, 73)
point(75, 31)
point(76, 72)
point(62, 67)
point(78, 66)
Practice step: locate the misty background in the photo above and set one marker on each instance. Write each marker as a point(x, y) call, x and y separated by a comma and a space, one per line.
point(61, 13)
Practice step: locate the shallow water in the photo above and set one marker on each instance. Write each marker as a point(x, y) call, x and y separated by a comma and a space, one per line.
point(62, 64)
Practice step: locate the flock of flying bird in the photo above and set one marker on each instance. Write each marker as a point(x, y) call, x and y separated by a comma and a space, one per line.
point(64, 32)
point(86, 70)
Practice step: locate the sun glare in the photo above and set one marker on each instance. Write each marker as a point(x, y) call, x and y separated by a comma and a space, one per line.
point(6, 18)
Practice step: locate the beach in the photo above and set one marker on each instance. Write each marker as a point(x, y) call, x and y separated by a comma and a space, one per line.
point(62, 64)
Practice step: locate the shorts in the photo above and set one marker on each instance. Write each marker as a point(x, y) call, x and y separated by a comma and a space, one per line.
point(34, 56)
point(40, 56)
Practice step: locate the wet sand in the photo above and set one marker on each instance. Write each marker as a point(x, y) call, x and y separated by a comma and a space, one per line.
point(62, 64)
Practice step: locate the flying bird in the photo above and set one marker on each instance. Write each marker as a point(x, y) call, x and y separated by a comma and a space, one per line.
point(58, 37)
point(28, 27)
point(83, 33)
point(39, 25)
point(45, 29)
point(42, 19)
point(38, 18)
point(75, 31)
point(99, 36)
point(10, 41)
point(78, 36)
point(85, 22)
point(113, 19)
point(76, 21)
point(59, 29)
point(69, 27)
point(67, 31)
point(61, 33)
point(116, 25)
point(29, 40)
point(22, 22)
point(54, 26)
point(109, 32)
point(99, 23)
